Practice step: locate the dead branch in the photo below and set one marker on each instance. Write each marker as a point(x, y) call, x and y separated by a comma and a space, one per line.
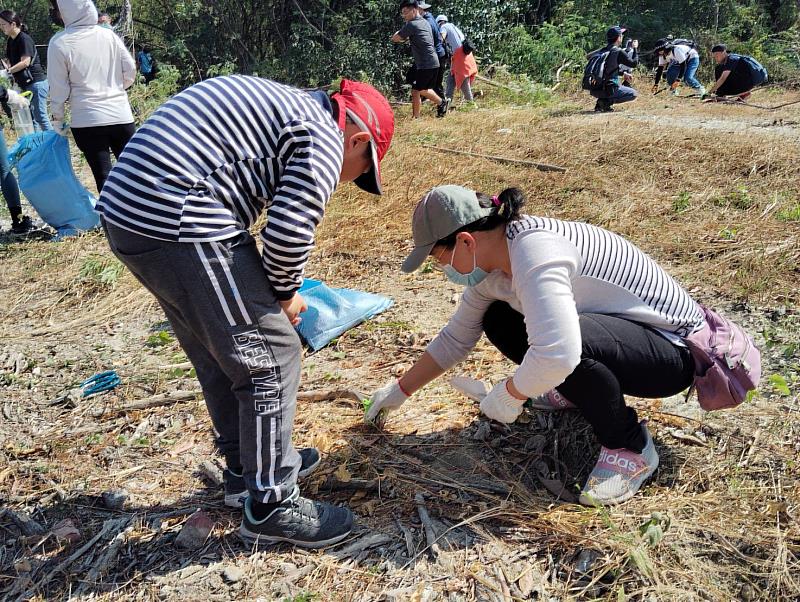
point(159, 400)
point(330, 395)
point(110, 526)
point(107, 560)
point(563, 66)
point(24, 523)
point(498, 85)
point(368, 485)
point(212, 472)
point(539, 166)
point(430, 533)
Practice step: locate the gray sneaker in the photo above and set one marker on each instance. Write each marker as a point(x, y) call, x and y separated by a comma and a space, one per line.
point(299, 521)
point(236, 490)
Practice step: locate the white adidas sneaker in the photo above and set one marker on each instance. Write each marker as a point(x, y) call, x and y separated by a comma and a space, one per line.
point(619, 474)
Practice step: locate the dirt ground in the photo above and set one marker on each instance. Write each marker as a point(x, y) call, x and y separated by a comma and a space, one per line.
point(95, 491)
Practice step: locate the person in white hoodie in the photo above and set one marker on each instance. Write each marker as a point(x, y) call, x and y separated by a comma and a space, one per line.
point(90, 67)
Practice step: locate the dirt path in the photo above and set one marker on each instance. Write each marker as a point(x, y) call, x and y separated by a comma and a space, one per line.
point(690, 114)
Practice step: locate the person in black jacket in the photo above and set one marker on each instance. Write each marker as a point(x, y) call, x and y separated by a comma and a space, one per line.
point(23, 64)
point(614, 92)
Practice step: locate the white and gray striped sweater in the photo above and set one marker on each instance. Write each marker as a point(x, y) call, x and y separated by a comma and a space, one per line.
point(208, 162)
point(561, 269)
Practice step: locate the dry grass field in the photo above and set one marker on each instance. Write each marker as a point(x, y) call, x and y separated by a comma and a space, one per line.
point(711, 191)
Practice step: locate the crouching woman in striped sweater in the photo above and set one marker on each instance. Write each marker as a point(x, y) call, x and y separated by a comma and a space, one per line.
point(587, 316)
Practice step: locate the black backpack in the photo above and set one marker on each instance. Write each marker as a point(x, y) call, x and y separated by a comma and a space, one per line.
point(594, 78)
point(684, 42)
point(468, 46)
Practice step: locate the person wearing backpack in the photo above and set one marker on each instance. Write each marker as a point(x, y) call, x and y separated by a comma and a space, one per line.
point(735, 74)
point(464, 67)
point(602, 74)
point(423, 73)
point(146, 64)
point(683, 60)
point(586, 315)
point(441, 52)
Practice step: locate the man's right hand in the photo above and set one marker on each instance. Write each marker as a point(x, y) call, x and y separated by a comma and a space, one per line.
point(387, 398)
point(293, 308)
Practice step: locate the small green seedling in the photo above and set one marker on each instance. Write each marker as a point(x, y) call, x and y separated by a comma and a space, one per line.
point(380, 419)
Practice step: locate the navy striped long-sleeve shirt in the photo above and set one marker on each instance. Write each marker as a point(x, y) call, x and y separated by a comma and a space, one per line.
point(208, 162)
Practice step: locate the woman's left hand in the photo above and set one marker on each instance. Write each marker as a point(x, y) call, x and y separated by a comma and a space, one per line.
point(501, 405)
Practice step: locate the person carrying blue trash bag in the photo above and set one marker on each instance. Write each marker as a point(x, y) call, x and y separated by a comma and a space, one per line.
point(177, 208)
point(48, 182)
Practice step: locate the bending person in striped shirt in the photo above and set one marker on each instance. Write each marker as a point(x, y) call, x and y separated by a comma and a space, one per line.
point(177, 208)
point(586, 315)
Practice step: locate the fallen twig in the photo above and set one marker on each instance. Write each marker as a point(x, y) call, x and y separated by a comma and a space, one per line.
point(498, 85)
point(180, 366)
point(730, 101)
point(25, 523)
point(108, 527)
point(330, 395)
point(159, 400)
point(539, 166)
point(563, 66)
point(335, 484)
point(107, 560)
point(211, 471)
point(430, 533)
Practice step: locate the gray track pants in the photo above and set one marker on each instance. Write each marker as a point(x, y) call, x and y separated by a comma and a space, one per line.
point(247, 356)
point(466, 87)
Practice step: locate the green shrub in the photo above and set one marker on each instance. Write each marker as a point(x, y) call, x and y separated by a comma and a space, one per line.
point(146, 98)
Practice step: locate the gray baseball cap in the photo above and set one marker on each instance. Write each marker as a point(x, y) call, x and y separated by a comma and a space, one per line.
point(441, 212)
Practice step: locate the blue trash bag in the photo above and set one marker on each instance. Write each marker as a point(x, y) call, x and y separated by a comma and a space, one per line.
point(332, 311)
point(46, 179)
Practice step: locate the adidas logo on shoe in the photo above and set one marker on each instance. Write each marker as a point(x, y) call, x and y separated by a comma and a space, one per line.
point(552, 401)
point(620, 473)
point(618, 460)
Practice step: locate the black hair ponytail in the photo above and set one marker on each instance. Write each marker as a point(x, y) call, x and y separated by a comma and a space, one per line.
point(507, 204)
point(9, 16)
point(512, 200)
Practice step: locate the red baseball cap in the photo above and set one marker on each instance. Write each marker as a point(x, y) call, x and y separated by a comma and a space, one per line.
point(370, 111)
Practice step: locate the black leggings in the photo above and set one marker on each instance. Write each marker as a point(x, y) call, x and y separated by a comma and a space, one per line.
point(97, 144)
point(618, 357)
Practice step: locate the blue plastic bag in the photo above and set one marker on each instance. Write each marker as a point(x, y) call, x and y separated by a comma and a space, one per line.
point(332, 311)
point(46, 179)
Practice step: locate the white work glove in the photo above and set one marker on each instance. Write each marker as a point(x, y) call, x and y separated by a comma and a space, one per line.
point(501, 405)
point(15, 99)
point(60, 128)
point(387, 398)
